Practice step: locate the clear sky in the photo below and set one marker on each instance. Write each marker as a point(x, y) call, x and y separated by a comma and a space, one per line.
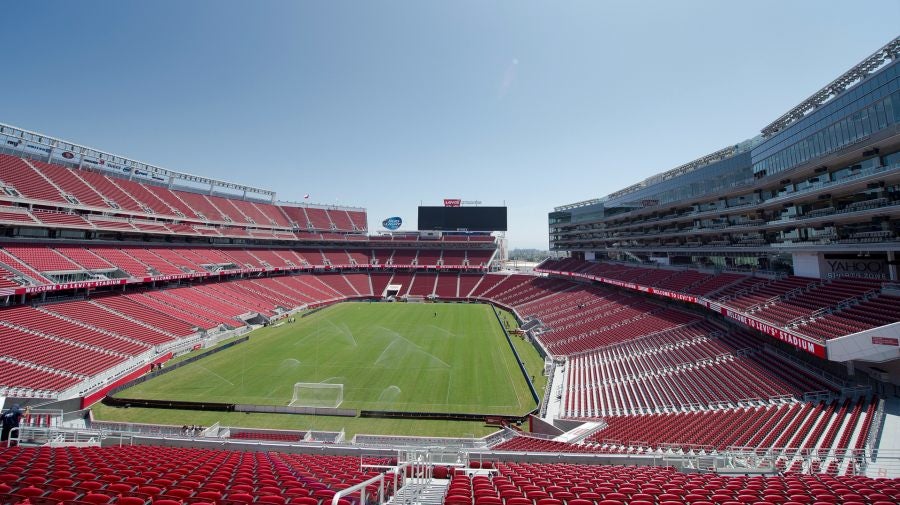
point(388, 104)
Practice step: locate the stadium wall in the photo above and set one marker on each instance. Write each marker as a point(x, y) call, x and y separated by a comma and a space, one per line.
point(368, 451)
point(166, 404)
point(277, 409)
point(438, 416)
point(139, 376)
point(99, 394)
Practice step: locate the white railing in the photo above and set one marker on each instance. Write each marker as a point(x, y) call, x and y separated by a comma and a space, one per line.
point(869, 461)
point(832, 379)
point(55, 436)
point(753, 308)
point(394, 441)
point(856, 391)
point(548, 388)
point(108, 376)
point(875, 427)
point(843, 461)
point(361, 487)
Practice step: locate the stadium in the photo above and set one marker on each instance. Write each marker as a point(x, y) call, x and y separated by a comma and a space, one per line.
point(723, 332)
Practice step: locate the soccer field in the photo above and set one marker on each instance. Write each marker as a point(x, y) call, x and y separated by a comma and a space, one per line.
point(401, 357)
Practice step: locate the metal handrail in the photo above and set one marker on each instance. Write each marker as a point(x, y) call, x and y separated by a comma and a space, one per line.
point(875, 427)
point(361, 487)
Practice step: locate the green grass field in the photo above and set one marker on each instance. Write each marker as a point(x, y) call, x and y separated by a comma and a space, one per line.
point(388, 356)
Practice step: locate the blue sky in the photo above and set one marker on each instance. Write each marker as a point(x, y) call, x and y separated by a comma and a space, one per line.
point(388, 104)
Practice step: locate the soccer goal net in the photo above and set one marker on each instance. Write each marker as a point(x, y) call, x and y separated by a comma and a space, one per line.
point(317, 394)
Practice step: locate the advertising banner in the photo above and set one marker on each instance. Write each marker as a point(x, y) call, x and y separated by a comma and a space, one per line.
point(392, 223)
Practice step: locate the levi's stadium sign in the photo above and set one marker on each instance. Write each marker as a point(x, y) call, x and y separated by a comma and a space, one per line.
point(392, 223)
point(452, 202)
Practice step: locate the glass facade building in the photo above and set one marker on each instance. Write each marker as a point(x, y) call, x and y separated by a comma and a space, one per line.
point(869, 108)
point(824, 178)
point(719, 176)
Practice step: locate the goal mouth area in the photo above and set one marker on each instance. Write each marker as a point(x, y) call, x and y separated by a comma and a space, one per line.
point(317, 395)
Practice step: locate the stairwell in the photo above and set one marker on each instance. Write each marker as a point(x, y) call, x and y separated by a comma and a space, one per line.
point(18, 276)
point(62, 192)
point(63, 340)
point(224, 217)
point(410, 285)
point(44, 368)
point(473, 287)
point(421, 492)
point(133, 320)
point(351, 285)
point(91, 327)
point(434, 286)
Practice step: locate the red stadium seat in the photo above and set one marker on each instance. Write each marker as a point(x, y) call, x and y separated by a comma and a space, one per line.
point(130, 500)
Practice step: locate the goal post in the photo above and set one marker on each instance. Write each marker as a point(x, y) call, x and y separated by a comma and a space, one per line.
point(317, 394)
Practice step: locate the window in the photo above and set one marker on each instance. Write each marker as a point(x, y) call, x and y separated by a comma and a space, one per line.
point(845, 133)
point(895, 101)
point(879, 112)
point(865, 122)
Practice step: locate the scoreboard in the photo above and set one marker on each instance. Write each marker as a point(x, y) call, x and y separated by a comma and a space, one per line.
point(462, 218)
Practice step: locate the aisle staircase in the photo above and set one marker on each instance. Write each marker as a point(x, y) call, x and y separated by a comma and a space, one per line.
point(421, 491)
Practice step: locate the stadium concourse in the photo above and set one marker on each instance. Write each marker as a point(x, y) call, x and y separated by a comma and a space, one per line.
point(708, 333)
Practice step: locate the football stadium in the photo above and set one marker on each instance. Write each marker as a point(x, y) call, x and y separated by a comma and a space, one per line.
point(726, 331)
